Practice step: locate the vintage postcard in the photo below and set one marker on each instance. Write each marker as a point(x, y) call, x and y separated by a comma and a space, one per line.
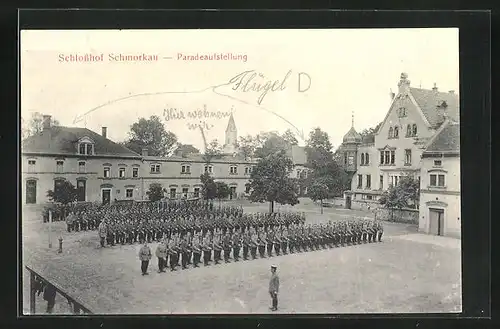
point(240, 171)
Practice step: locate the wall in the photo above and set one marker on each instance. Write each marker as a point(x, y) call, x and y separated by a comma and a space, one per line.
point(447, 198)
point(400, 216)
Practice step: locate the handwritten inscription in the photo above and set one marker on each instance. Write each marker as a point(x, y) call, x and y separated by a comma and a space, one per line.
point(172, 114)
point(253, 81)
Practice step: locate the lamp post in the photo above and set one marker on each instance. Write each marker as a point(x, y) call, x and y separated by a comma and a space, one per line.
point(50, 228)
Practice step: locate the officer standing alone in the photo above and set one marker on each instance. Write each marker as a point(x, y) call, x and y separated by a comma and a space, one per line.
point(145, 256)
point(274, 285)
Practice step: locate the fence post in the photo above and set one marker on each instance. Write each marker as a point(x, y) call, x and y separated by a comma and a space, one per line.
point(32, 293)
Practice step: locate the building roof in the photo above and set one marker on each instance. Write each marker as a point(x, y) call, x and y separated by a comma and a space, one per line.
point(231, 125)
point(352, 136)
point(447, 139)
point(297, 154)
point(429, 100)
point(63, 140)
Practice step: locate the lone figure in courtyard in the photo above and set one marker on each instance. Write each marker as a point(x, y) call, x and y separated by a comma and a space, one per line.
point(103, 231)
point(274, 285)
point(145, 256)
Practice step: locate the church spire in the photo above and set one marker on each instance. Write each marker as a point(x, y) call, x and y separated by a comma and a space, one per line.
point(231, 125)
point(352, 124)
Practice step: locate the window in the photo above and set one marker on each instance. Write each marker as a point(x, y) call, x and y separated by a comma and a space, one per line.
point(59, 166)
point(437, 180)
point(233, 170)
point(407, 157)
point(185, 169)
point(362, 162)
point(381, 182)
point(393, 157)
point(107, 172)
point(81, 166)
point(367, 159)
point(396, 132)
point(209, 169)
point(396, 180)
point(57, 185)
point(247, 188)
point(438, 163)
point(129, 193)
point(369, 197)
point(381, 157)
point(121, 172)
point(392, 181)
point(360, 181)
point(391, 132)
point(248, 171)
point(196, 192)
point(155, 168)
point(386, 157)
point(345, 159)
point(408, 130)
point(86, 149)
point(135, 172)
point(350, 160)
point(173, 193)
point(414, 129)
point(31, 165)
point(441, 180)
point(368, 181)
point(402, 112)
point(185, 192)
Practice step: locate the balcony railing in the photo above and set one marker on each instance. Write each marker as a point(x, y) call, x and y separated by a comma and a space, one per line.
point(76, 306)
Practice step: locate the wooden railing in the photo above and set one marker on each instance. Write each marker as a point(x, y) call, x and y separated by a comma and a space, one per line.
point(76, 306)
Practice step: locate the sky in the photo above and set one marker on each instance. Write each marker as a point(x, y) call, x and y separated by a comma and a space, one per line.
point(344, 72)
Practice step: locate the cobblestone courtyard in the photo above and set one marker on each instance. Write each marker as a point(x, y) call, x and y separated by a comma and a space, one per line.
point(407, 272)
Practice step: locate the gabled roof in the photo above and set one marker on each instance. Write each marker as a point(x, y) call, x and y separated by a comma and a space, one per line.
point(63, 140)
point(428, 101)
point(447, 139)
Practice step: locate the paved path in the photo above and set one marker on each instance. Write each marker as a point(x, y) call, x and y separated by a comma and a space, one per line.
point(442, 241)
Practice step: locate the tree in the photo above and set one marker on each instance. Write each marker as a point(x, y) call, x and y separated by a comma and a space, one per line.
point(209, 189)
point(247, 145)
point(212, 151)
point(289, 137)
point(318, 148)
point(369, 133)
point(155, 192)
point(222, 191)
point(64, 193)
point(186, 149)
point(270, 143)
point(34, 125)
point(318, 191)
point(404, 195)
point(270, 181)
point(151, 134)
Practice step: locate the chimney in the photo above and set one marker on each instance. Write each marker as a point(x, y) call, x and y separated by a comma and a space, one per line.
point(105, 132)
point(144, 152)
point(46, 122)
point(404, 83)
point(435, 88)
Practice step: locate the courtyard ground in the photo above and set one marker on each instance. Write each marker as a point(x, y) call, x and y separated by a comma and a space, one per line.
point(407, 272)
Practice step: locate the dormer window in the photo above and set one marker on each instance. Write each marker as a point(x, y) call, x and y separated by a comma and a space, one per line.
point(86, 146)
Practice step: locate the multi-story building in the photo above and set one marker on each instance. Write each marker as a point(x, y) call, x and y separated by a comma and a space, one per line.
point(414, 117)
point(440, 210)
point(103, 170)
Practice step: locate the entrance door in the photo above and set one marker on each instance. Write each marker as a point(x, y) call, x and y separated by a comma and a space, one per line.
point(80, 188)
point(31, 191)
point(436, 221)
point(106, 196)
point(348, 202)
point(233, 192)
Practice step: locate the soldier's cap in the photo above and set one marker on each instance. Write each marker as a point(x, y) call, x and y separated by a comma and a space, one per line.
point(274, 266)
